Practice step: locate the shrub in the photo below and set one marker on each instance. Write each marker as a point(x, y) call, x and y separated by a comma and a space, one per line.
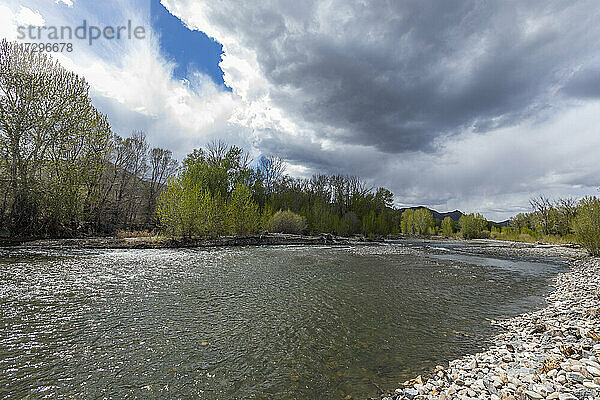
point(123, 234)
point(587, 224)
point(525, 237)
point(287, 222)
point(529, 232)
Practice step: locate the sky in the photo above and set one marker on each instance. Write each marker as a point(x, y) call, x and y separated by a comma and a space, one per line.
point(472, 105)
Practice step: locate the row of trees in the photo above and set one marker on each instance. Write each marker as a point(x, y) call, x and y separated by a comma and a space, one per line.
point(62, 169)
point(548, 217)
point(421, 222)
point(217, 191)
point(562, 220)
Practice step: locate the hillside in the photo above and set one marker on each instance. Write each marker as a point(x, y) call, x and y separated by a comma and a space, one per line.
point(455, 215)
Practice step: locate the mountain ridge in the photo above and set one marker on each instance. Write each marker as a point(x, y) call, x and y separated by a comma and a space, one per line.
point(455, 215)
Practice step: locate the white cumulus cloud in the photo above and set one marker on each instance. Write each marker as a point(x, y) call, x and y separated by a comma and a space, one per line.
point(26, 17)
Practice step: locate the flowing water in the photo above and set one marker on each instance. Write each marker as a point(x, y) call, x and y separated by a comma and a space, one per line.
point(278, 322)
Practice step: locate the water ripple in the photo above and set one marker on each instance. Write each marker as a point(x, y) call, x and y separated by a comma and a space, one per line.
point(285, 322)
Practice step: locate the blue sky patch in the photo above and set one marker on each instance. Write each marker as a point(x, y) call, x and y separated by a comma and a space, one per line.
point(189, 50)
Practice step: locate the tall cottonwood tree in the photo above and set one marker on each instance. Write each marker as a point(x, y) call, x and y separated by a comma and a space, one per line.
point(41, 104)
point(61, 168)
point(162, 166)
point(130, 166)
point(542, 207)
point(272, 169)
point(75, 164)
point(417, 222)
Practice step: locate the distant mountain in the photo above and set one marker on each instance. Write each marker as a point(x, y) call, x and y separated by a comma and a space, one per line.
point(455, 215)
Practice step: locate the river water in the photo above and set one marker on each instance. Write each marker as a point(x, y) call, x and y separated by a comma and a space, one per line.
point(279, 322)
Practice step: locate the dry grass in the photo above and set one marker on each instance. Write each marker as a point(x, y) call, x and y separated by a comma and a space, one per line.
point(122, 234)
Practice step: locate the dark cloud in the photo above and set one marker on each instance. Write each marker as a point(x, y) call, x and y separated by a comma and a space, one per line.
point(584, 84)
point(396, 75)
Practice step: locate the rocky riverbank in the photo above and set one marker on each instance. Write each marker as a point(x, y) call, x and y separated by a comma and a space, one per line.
point(552, 353)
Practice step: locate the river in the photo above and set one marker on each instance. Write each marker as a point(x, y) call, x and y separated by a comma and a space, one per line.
point(285, 322)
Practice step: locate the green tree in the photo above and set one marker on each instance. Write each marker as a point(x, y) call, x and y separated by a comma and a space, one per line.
point(45, 117)
point(417, 222)
point(174, 218)
point(448, 226)
point(243, 214)
point(218, 221)
point(265, 217)
point(522, 220)
point(184, 207)
point(406, 222)
point(369, 224)
point(349, 224)
point(423, 221)
point(472, 225)
point(76, 161)
point(587, 224)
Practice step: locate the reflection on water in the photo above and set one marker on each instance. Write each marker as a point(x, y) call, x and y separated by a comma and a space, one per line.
point(270, 322)
point(519, 266)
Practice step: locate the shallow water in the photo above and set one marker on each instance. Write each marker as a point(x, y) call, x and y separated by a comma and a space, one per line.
point(260, 322)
